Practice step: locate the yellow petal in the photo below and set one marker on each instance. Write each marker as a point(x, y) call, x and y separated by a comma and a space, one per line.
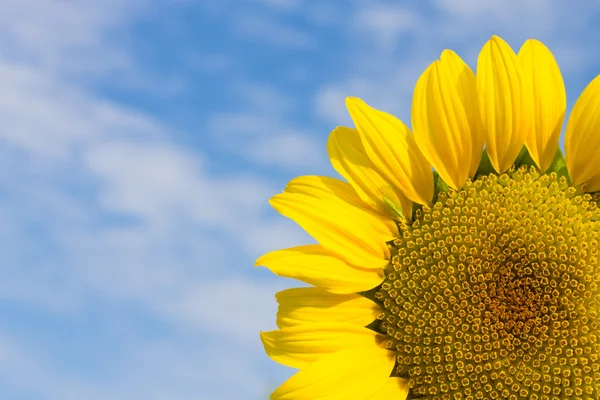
point(543, 84)
point(305, 305)
point(395, 388)
point(582, 139)
point(349, 158)
point(467, 90)
point(331, 211)
point(505, 112)
point(445, 118)
point(315, 265)
point(392, 148)
point(302, 345)
point(356, 374)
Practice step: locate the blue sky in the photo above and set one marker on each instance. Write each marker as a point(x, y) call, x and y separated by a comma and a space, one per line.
point(139, 143)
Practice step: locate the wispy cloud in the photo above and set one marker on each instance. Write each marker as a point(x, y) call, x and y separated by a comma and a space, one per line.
point(258, 26)
point(66, 36)
point(262, 130)
point(101, 206)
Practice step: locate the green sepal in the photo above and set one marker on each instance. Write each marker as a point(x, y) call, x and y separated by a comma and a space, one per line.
point(559, 165)
point(524, 159)
point(485, 166)
point(438, 185)
point(416, 207)
point(370, 294)
point(392, 207)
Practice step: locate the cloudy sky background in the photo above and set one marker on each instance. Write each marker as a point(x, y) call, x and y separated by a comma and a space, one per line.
point(139, 143)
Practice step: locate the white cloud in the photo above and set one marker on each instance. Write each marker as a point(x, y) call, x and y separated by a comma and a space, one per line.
point(287, 149)
point(388, 22)
point(263, 99)
point(47, 116)
point(103, 207)
point(235, 307)
point(269, 142)
point(150, 180)
point(61, 36)
point(250, 25)
point(153, 369)
point(262, 130)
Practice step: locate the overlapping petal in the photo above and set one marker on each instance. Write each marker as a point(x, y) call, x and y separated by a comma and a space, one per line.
point(307, 305)
point(315, 265)
point(445, 119)
point(582, 139)
point(505, 110)
point(302, 345)
point(331, 211)
point(356, 373)
point(543, 83)
point(392, 148)
point(349, 158)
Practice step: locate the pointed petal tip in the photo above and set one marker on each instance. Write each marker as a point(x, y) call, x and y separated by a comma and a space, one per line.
point(444, 118)
point(265, 338)
point(504, 108)
point(349, 158)
point(545, 87)
point(265, 259)
point(390, 145)
point(316, 266)
point(447, 54)
point(534, 41)
point(273, 200)
point(352, 100)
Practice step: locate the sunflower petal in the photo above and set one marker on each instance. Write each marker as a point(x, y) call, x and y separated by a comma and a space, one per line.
point(330, 211)
point(349, 159)
point(543, 83)
point(315, 265)
point(395, 388)
point(505, 112)
point(393, 150)
point(445, 118)
point(355, 374)
point(467, 89)
point(582, 141)
point(305, 305)
point(302, 345)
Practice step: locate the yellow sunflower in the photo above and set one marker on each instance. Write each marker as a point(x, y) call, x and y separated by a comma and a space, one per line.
point(460, 260)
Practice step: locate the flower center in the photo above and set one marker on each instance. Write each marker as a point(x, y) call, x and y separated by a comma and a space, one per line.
point(493, 292)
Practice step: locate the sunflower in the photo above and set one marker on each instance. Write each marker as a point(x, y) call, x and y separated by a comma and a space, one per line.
point(460, 260)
